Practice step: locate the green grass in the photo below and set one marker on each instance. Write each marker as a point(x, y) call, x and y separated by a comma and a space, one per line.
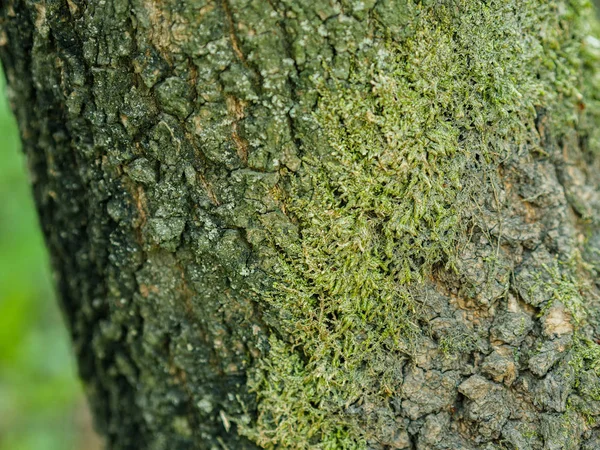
point(40, 396)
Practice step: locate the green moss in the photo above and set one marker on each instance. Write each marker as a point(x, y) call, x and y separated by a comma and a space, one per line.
point(586, 356)
point(561, 285)
point(457, 343)
point(580, 412)
point(590, 102)
point(415, 128)
point(291, 413)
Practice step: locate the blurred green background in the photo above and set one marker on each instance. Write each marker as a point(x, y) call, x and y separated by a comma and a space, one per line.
point(41, 404)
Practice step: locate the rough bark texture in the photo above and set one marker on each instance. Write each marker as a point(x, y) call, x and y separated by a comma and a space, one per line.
point(320, 224)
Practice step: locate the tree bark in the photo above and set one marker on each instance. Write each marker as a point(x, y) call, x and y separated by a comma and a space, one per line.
point(320, 224)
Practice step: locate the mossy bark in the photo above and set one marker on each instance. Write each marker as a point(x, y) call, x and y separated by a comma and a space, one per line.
point(320, 224)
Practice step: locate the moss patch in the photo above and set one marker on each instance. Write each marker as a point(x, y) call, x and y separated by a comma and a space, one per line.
point(416, 124)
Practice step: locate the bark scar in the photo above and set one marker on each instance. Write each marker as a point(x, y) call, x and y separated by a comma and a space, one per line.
point(235, 42)
point(235, 108)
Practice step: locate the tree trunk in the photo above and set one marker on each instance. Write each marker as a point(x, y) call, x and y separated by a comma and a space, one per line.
point(320, 224)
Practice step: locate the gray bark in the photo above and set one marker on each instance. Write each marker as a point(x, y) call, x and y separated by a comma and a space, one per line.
point(310, 224)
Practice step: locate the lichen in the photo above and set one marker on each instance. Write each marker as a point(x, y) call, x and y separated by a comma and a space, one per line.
point(408, 118)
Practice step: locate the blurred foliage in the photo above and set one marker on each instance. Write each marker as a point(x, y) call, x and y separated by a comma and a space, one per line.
point(41, 406)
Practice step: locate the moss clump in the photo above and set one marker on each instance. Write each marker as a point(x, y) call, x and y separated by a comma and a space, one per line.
point(457, 343)
point(290, 412)
point(561, 285)
point(590, 103)
point(586, 356)
point(582, 408)
point(413, 130)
